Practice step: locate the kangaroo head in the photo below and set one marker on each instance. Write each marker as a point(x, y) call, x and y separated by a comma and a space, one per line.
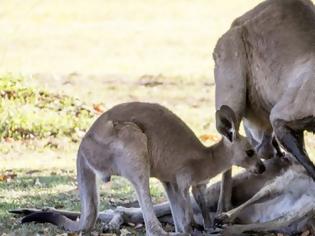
point(240, 150)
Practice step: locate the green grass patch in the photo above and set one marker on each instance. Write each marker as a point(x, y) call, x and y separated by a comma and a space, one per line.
point(28, 112)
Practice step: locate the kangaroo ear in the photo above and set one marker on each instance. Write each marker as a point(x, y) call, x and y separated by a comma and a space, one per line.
point(226, 122)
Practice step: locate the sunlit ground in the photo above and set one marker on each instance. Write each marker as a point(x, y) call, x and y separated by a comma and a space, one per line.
point(129, 38)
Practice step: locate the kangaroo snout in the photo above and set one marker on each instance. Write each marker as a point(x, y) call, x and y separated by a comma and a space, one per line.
point(259, 168)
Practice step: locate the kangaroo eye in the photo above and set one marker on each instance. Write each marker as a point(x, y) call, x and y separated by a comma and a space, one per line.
point(250, 152)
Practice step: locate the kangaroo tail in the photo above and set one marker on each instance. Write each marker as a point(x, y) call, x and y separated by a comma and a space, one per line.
point(53, 218)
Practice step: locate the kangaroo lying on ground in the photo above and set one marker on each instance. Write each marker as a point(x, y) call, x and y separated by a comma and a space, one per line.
point(143, 140)
point(265, 71)
point(286, 204)
point(285, 193)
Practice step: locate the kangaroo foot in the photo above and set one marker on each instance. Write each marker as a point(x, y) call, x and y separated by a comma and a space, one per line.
point(221, 220)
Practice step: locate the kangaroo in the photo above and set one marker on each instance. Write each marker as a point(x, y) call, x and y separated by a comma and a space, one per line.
point(264, 71)
point(142, 140)
point(285, 204)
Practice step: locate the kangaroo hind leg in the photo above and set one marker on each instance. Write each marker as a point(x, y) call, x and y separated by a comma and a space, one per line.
point(294, 112)
point(139, 174)
point(133, 163)
point(88, 193)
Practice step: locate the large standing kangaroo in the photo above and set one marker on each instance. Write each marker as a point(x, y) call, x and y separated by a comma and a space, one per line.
point(265, 71)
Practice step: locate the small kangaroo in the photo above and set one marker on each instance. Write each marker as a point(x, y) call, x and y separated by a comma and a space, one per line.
point(142, 140)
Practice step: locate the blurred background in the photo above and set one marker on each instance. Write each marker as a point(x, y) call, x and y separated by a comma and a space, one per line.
point(127, 37)
point(63, 63)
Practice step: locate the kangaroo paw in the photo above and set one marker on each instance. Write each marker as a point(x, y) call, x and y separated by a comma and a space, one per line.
point(221, 220)
point(114, 225)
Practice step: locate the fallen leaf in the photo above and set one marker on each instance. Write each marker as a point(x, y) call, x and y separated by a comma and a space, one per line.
point(99, 108)
point(209, 137)
point(3, 177)
point(7, 176)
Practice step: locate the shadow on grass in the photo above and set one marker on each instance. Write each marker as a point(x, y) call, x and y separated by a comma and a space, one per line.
point(60, 191)
point(34, 191)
